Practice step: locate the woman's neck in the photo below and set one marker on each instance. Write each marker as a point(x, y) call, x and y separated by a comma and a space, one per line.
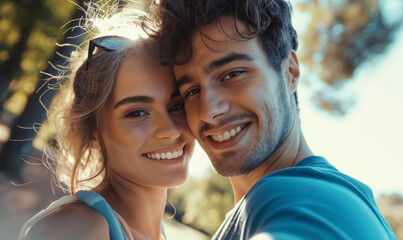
point(142, 207)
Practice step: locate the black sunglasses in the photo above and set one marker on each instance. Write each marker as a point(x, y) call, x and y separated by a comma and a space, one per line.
point(107, 43)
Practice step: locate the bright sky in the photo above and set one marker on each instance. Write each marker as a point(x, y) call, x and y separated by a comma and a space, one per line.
point(367, 143)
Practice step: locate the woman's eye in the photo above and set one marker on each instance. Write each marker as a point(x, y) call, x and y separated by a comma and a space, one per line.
point(136, 114)
point(232, 75)
point(192, 92)
point(178, 108)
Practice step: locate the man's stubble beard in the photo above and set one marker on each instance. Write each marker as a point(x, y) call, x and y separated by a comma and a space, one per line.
point(229, 164)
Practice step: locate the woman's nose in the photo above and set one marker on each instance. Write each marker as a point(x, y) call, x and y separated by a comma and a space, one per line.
point(166, 128)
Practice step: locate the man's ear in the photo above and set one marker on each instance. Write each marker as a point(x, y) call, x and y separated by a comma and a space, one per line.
point(292, 73)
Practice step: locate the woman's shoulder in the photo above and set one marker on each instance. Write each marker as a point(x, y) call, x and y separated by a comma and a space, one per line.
point(71, 221)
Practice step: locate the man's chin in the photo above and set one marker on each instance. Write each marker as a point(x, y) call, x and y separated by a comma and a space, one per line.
point(225, 171)
point(230, 168)
point(223, 165)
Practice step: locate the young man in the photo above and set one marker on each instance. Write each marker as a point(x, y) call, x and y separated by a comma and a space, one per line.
point(236, 67)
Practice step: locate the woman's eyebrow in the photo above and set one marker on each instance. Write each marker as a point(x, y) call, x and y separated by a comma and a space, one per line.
point(134, 99)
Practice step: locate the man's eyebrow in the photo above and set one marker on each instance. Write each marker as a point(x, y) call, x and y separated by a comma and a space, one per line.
point(216, 64)
point(184, 80)
point(227, 59)
point(134, 99)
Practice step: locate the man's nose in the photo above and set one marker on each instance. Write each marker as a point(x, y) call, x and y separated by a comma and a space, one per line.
point(213, 105)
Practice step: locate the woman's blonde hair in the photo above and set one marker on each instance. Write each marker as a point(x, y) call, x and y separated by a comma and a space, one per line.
point(75, 113)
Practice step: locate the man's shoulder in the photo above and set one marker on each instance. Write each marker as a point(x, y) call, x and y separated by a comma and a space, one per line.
point(296, 180)
point(311, 175)
point(311, 201)
point(317, 184)
point(71, 221)
point(310, 204)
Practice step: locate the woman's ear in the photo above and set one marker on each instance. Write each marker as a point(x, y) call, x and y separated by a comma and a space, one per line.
point(95, 142)
point(293, 72)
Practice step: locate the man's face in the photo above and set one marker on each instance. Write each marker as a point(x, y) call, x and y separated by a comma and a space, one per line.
point(237, 105)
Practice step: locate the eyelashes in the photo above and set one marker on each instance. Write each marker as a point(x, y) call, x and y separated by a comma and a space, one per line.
point(231, 75)
point(136, 114)
point(192, 92)
point(176, 108)
point(227, 78)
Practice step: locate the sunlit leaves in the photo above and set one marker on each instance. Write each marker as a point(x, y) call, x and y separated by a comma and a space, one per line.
point(29, 31)
point(391, 207)
point(203, 203)
point(339, 38)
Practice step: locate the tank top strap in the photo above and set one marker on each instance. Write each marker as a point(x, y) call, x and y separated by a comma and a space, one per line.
point(99, 204)
point(52, 207)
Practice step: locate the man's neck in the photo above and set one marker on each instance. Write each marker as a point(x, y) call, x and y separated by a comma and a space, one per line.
point(293, 149)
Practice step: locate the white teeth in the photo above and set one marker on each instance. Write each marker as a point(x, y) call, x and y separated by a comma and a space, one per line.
point(165, 155)
point(169, 155)
point(233, 132)
point(226, 135)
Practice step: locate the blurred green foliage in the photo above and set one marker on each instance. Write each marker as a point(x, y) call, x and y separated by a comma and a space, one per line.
point(340, 37)
point(391, 207)
point(29, 31)
point(202, 203)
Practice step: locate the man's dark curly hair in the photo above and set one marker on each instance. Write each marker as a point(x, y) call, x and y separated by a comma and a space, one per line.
point(177, 20)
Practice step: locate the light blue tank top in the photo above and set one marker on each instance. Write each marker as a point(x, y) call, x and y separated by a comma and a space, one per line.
point(99, 204)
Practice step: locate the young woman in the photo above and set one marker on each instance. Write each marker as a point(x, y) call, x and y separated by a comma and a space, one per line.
point(121, 141)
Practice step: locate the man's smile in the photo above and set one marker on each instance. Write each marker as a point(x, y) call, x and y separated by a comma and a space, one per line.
point(227, 134)
point(228, 138)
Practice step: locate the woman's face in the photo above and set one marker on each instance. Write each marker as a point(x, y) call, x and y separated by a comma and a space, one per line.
point(146, 135)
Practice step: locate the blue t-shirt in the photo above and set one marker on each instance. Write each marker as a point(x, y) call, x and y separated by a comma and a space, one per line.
point(312, 200)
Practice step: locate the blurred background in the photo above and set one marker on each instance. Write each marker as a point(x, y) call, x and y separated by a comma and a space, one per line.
point(351, 100)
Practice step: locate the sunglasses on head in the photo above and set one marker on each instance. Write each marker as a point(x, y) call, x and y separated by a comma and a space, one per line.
point(107, 43)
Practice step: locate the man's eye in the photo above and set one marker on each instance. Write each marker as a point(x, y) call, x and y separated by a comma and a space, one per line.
point(177, 108)
point(192, 92)
point(232, 75)
point(136, 114)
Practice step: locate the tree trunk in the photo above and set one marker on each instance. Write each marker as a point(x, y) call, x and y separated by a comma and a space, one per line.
point(13, 150)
